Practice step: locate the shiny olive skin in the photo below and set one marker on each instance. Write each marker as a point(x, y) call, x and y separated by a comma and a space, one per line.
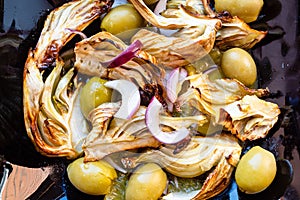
point(256, 170)
point(122, 19)
point(238, 63)
point(93, 178)
point(248, 10)
point(148, 183)
point(93, 94)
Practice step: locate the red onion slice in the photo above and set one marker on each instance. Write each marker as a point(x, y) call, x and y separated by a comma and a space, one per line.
point(152, 122)
point(130, 97)
point(160, 6)
point(125, 56)
point(174, 83)
point(211, 69)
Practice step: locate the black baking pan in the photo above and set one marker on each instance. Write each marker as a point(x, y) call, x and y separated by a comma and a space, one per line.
point(277, 58)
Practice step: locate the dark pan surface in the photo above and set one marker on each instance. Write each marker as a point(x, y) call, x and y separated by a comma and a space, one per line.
point(277, 58)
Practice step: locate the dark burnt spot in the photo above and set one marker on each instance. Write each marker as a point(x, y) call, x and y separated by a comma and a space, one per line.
point(147, 94)
point(240, 107)
point(224, 14)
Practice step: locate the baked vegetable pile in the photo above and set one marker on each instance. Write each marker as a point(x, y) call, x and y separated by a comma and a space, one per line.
point(148, 95)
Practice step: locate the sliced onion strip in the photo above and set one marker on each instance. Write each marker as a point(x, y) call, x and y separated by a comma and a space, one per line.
point(130, 97)
point(160, 6)
point(174, 83)
point(153, 122)
point(125, 56)
point(210, 69)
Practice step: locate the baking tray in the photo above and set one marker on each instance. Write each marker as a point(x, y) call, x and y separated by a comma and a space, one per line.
point(277, 58)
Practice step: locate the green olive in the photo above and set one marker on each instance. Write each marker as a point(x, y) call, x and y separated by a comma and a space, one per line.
point(238, 63)
point(94, 178)
point(93, 94)
point(256, 170)
point(148, 183)
point(248, 10)
point(122, 19)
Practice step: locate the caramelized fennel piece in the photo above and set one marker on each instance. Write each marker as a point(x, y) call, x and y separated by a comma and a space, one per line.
point(236, 33)
point(250, 118)
point(176, 22)
point(75, 15)
point(201, 155)
point(194, 39)
point(110, 135)
point(217, 181)
point(233, 105)
point(222, 91)
point(181, 48)
point(92, 54)
point(59, 127)
point(50, 132)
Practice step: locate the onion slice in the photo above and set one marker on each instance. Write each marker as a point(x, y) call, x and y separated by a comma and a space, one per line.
point(210, 69)
point(130, 97)
point(125, 56)
point(160, 6)
point(152, 122)
point(174, 83)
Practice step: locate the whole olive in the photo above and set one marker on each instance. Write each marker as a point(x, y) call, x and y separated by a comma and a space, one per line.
point(122, 19)
point(148, 183)
point(256, 170)
point(248, 10)
point(238, 63)
point(93, 94)
point(94, 178)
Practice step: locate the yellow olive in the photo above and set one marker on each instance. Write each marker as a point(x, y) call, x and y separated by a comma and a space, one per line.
point(93, 94)
point(248, 10)
point(256, 170)
point(238, 63)
point(148, 183)
point(94, 178)
point(122, 19)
